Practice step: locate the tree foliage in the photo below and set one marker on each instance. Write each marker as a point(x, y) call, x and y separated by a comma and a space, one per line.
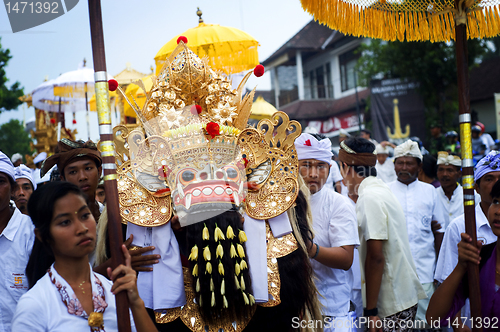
point(9, 97)
point(14, 139)
point(431, 64)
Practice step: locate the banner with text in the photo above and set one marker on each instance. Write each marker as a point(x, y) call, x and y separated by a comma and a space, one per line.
point(397, 111)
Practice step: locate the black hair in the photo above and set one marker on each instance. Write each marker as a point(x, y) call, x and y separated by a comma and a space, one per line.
point(429, 166)
point(366, 131)
point(41, 209)
point(362, 145)
point(495, 191)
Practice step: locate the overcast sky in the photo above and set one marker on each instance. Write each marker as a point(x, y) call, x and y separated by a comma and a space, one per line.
point(134, 31)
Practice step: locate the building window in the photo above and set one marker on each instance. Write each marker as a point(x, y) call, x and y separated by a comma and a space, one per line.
point(320, 82)
point(348, 62)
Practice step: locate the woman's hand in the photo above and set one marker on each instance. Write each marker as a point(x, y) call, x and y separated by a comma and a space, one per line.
point(125, 279)
point(467, 252)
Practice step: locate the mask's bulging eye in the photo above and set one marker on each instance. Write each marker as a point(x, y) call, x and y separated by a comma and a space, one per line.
point(187, 176)
point(231, 173)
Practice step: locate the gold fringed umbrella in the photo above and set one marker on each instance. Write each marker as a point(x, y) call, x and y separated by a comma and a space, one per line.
point(425, 20)
point(228, 49)
point(416, 20)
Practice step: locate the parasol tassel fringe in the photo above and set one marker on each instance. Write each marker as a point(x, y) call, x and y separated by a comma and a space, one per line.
point(409, 25)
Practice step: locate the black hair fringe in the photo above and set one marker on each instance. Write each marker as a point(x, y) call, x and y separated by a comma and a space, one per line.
point(237, 308)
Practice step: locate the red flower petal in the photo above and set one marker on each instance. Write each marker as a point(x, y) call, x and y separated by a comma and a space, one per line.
point(74, 121)
point(53, 121)
point(308, 143)
point(213, 129)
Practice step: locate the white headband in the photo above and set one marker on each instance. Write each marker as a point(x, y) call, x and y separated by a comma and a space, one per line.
point(24, 172)
point(408, 149)
point(308, 147)
point(445, 159)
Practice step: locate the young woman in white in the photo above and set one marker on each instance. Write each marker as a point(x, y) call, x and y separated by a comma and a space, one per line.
point(65, 294)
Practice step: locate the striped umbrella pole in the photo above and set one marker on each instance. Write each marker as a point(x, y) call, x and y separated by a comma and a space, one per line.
point(108, 156)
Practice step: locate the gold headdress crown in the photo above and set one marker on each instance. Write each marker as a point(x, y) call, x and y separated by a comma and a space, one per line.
point(195, 153)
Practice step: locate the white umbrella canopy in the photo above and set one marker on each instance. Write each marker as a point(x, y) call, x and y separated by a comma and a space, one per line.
point(65, 93)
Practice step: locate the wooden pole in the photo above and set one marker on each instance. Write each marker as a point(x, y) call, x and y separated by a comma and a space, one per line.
point(108, 156)
point(467, 163)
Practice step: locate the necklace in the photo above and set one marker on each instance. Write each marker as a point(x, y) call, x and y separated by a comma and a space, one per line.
point(95, 319)
point(81, 287)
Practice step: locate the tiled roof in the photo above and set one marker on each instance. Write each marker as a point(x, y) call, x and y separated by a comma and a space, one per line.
point(323, 108)
point(312, 37)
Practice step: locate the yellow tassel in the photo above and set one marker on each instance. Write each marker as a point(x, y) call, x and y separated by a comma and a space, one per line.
point(201, 302)
point(194, 253)
point(232, 251)
point(206, 254)
point(252, 299)
point(212, 285)
point(237, 269)
point(198, 285)
point(223, 287)
point(205, 235)
point(243, 237)
point(245, 298)
point(242, 283)
point(218, 234)
point(195, 270)
point(220, 252)
point(208, 268)
point(213, 299)
point(237, 283)
point(243, 264)
point(221, 269)
point(241, 252)
point(229, 232)
point(224, 301)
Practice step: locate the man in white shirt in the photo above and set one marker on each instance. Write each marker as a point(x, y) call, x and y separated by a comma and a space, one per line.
point(25, 187)
point(422, 213)
point(450, 194)
point(385, 165)
point(336, 235)
point(391, 286)
point(486, 174)
point(16, 241)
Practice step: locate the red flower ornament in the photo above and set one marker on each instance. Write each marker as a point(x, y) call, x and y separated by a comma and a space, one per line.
point(53, 121)
point(196, 109)
point(259, 70)
point(183, 39)
point(213, 129)
point(113, 85)
point(74, 121)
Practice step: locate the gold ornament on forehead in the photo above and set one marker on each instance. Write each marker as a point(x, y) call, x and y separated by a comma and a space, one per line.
point(195, 136)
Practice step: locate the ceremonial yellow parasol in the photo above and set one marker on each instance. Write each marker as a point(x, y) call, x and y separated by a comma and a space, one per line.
point(228, 49)
point(425, 20)
point(261, 109)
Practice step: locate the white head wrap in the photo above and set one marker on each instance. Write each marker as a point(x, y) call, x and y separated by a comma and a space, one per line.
point(309, 147)
point(40, 157)
point(408, 149)
point(16, 157)
point(24, 172)
point(6, 166)
point(445, 159)
point(379, 149)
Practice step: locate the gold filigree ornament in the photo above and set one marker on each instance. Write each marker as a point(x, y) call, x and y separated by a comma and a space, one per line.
point(196, 152)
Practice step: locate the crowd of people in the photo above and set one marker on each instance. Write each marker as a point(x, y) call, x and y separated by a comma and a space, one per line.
point(389, 251)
